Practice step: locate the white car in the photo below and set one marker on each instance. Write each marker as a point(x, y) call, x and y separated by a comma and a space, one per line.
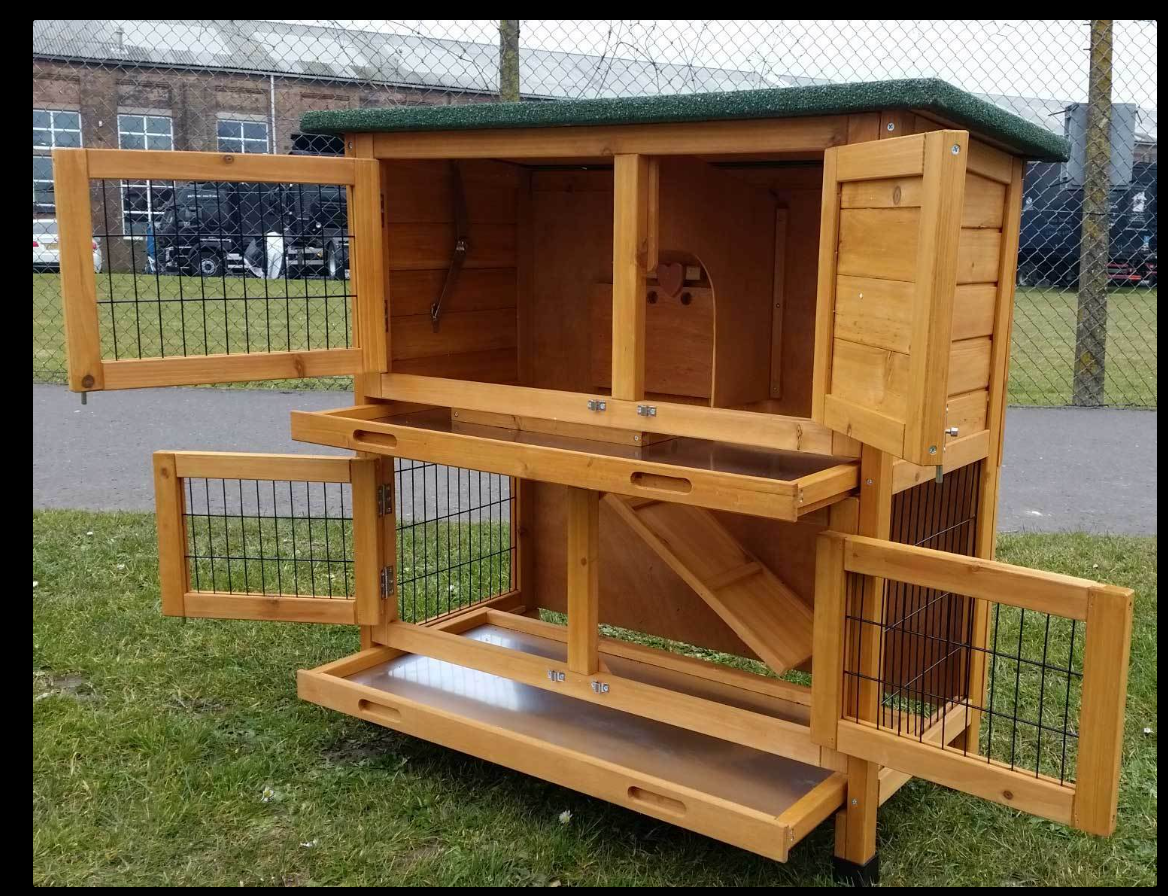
point(45, 254)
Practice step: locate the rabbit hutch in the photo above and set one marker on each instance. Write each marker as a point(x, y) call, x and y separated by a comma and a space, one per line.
point(733, 371)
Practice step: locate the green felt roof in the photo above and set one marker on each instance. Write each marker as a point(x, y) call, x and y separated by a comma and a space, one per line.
point(923, 94)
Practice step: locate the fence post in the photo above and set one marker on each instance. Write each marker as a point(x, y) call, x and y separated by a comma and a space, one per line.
point(509, 60)
point(1091, 324)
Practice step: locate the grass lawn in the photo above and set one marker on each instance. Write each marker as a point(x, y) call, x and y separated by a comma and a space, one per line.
point(1042, 357)
point(310, 313)
point(155, 741)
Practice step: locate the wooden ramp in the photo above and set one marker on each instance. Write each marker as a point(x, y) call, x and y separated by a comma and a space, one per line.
point(751, 599)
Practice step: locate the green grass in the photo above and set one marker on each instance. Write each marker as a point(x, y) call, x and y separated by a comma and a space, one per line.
point(1040, 371)
point(1042, 356)
point(171, 316)
point(155, 741)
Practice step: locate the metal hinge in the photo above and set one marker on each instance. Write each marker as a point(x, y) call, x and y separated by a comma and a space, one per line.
point(384, 499)
point(388, 583)
point(386, 305)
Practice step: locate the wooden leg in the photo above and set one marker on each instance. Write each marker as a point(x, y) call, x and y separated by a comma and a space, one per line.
point(583, 580)
point(855, 842)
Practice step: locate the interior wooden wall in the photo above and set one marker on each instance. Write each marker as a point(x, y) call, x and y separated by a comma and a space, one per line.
point(797, 189)
point(477, 335)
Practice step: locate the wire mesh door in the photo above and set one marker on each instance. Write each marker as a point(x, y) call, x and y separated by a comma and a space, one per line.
point(238, 268)
point(1000, 681)
point(271, 537)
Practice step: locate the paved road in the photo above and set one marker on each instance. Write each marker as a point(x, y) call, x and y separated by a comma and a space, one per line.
point(1065, 469)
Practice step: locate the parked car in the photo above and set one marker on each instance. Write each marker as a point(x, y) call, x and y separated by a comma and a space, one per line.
point(45, 254)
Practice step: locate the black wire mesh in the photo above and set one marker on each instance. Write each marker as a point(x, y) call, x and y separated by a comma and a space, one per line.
point(930, 652)
point(455, 542)
point(247, 536)
point(222, 268)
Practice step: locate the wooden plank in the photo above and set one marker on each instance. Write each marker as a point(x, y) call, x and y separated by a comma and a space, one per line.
point(985, 201)
point(672, 418)
point(423, 192)
point(986, 161)
point(753, 729)
point(815, 807)
point(144, 373)
point(459, 332)
point(78, 282)
point(367, 263)
point(892, 192)
point(368, 558)
point(241, 465)
point(1101, 720)
point(858, 422)
point(686, 138)
point(478, 289)
point(630, 243)
point(172, 538)
point(935, 262)
point(111, 164)
point(879, 242)
point(973, 310)
point(878, 160)
point(1014, 586)
point(978, 256)
point(969, 365)
point(270, 607)
point(952, 768)
point(416, 247)
point(583, 564)
point(827, 693)
point(778, 302)
point(966, 412)
point(874, 312)
point(761, 609)
point(491, 366)
point(565, 766)
point(875, 379)
point(825, 286)
point(959, 452)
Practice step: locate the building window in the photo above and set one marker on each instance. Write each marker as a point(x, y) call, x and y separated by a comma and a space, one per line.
point(143, 201)
point(243, 136)
point(42, 186)
point(50, 128)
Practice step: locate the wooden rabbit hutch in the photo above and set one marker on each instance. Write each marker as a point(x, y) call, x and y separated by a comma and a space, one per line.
point(739, 362)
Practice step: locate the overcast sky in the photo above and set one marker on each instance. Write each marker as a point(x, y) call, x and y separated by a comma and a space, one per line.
point(1020, 57)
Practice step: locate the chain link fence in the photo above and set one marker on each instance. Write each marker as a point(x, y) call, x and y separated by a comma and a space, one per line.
point(1085, 326)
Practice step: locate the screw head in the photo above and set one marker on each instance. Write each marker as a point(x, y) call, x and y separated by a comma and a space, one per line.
point(956, 150)
point(932, 449)
point(855, 802)
point(867, 482)
point(891, 126)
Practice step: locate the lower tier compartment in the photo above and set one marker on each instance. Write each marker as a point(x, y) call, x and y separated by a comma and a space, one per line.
point(756, 800)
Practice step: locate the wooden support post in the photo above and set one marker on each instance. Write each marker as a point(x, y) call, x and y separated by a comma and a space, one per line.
point(78, 281)
point(523, 544)
point(373, 538)
point(583, 580)
point(875, 520)
point(631, 248)
point(172, 537)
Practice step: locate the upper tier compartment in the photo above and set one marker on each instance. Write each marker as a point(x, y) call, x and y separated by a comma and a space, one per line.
point(762, 482)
